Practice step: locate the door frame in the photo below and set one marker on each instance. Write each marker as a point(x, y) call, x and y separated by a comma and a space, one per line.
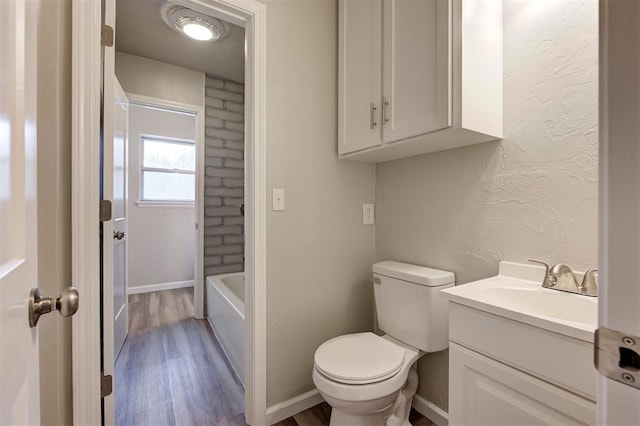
point(198, 112)
point(86, 80)
point(619, 195)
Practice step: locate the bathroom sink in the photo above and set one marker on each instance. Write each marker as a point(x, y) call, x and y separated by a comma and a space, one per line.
point(546, 303)
point(525, 351)
point(516, 293)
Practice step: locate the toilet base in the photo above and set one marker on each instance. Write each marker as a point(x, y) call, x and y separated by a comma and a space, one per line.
point(362, 413)
point(402, 408)
point(396, 414)
point(338, 418)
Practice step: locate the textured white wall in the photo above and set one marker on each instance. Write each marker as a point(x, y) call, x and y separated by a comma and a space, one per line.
point(319, 252)
point(161, 239)
point(533, 195)
point(147, 77)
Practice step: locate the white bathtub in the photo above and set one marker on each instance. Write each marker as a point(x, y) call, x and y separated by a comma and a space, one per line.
point(225, 312)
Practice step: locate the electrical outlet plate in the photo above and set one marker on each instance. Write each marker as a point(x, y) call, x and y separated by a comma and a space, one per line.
point(278, 200)
point(368, 214)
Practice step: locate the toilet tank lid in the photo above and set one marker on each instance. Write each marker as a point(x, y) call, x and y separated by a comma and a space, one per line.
point(414, 273)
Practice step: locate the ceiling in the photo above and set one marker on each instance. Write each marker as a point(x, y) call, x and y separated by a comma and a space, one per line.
point(141, 31)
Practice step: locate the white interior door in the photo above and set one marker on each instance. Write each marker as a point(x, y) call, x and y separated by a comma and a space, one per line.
point(120, 165)
point(619, 298)
point(108, 296)
point(19, 379)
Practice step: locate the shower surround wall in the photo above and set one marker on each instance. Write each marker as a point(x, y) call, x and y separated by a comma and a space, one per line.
point(224, 177)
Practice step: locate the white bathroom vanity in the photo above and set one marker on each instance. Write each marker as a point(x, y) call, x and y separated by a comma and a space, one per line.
point(520, 353)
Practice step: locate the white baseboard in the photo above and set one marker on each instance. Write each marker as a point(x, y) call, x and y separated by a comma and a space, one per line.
point(277, 413)
point(159, 287)
point(430, 410)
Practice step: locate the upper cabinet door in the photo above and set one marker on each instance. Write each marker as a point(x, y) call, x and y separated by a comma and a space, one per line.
point(360, 67)
point(417, 67)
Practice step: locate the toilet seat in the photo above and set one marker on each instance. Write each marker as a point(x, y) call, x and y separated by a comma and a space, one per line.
point(358, 359)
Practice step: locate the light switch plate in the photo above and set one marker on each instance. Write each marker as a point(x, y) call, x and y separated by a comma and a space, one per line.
point(278, 200)
point(368, 215)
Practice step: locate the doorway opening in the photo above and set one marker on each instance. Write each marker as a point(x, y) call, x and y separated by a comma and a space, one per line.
point(89, 370)
point(184, 220)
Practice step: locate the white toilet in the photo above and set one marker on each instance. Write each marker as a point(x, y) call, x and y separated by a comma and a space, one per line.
point(370, 380)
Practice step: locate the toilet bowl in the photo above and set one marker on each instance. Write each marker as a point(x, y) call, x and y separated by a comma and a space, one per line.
point(370, 380)
point(367, 379)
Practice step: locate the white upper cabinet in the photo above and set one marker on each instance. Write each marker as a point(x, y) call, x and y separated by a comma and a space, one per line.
point(418, 76)
point(416, 59)
point(360, 67)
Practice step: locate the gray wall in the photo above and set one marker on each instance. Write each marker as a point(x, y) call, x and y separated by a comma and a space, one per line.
point(319, 253)
point(534, 195)
point(224, 177)
point(161, 239)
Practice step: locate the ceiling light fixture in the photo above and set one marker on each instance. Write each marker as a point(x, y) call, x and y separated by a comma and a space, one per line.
point(193, 24)
point(196, 28)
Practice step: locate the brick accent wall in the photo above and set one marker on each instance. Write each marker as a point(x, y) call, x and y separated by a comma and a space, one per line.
point(224, 177)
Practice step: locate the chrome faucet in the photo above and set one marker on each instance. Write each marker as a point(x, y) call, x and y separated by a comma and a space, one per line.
point(547, 282)
point(589, 287)
point(561, 277)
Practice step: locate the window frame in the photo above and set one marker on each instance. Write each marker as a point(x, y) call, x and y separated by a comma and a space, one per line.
point(142, 202)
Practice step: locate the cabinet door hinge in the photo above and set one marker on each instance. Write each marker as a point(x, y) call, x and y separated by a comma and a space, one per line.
point(107, 36)
point(106, 385)
point(105, 210)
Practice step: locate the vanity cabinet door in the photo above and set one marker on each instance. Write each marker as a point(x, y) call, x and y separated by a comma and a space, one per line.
point(417, 68)
point(484, 391)
point(359, 69)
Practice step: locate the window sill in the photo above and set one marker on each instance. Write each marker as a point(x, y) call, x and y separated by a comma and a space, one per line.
point(163, 204)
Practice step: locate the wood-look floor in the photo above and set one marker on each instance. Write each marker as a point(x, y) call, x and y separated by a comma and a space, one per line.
point(172, 371)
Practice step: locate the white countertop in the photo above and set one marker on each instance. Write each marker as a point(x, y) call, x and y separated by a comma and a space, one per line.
point(516, 293)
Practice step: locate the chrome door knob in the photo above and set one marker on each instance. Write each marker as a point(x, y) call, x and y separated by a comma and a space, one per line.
point(66, 304)
point(118, 235)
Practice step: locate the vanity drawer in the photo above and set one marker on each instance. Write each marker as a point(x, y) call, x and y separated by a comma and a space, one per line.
point(561, 360)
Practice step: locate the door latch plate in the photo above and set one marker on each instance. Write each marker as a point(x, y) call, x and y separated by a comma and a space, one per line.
point(105, 210)
point(106, 385)
point(617, 356)
point(106, 36)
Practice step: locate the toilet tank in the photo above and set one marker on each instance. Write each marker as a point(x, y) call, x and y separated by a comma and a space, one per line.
point(410, 306)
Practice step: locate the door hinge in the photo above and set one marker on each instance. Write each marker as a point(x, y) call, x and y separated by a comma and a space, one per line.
point(107, 36)
point(617, 356)
point(105, 210)
point(106, 385)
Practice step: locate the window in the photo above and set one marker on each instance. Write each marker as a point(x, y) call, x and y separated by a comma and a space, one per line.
point(168, 170)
